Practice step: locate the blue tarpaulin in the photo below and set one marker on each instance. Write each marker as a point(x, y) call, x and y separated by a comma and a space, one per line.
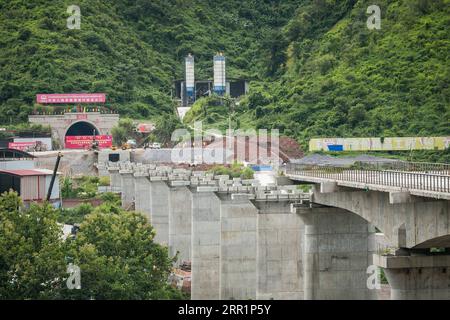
point(261, 168)
point(335, 147)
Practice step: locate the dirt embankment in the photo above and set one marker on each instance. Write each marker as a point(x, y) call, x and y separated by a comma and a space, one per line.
point(73, 162)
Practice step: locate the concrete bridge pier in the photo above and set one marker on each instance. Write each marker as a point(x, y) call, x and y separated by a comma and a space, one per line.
point(338, 247)
point(142, 194)
point(159, 211)
point(238, 254)
point(180, 219)
point(127, 188)
point(205, 262)
point(417, 277)
point(280, 251)
point(115, 181)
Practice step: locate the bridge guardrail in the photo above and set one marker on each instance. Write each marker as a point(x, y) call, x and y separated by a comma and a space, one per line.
point(426, 167)
point(408, 175)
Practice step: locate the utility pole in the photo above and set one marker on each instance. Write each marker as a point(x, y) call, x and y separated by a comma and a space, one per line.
point(55, 170)
point(230, 112)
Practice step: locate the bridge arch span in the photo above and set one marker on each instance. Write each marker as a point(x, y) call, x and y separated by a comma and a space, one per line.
point(438, 242)
point(417, 221)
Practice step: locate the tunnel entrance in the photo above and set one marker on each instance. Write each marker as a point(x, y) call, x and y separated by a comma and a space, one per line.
point(82, 129)
point(80, 135)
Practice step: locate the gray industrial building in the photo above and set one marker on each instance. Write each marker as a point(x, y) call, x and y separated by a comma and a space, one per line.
point(235, 88)
point(31, 184)
point(12, 159)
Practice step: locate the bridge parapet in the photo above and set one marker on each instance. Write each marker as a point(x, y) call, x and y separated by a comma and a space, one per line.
point(423, 179)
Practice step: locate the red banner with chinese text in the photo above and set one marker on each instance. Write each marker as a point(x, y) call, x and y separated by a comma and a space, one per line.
point(71, 98)
point(84, 142)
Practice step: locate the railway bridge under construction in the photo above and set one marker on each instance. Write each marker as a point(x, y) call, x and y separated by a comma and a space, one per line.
point(247, 241)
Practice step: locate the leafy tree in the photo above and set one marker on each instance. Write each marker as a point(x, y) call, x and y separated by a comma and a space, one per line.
point(165, 126)
point(32, 259)
point(114, 249)
point(119, 259)
point(132, 50)
point(357, 114)
point(75, 215)
point(236, 170)
point(123, 131)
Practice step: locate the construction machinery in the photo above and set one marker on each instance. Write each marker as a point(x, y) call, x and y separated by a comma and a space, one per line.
point(130, 144)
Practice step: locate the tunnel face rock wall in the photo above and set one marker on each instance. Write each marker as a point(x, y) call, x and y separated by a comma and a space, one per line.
point(238, 245)
point(180, 215)
point(280, 250)
point(159, 211)
point(337, 254)
point(205, 264)
point(61, 123)
point(72, 163)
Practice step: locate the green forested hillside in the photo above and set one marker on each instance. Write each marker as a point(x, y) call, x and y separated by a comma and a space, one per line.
point(341, 79)
point(345, 80)
point(316, 69)
point(132, 50)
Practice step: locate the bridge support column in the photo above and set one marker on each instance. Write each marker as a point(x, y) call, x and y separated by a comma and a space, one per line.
point(417, 277)
point(238, 246)
point(205, 262)
point(115, 181)
point(180, 209)
point(142, 195)
point(159, 211)
point(280, 252)
point(127, 188)
point(337, 253)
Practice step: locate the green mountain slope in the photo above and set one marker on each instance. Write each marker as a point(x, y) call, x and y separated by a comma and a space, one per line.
point(132, 50)
point(316, 69)
point(342, 79)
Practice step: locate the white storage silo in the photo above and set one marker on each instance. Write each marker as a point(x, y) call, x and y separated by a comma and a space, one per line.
point(219, 74)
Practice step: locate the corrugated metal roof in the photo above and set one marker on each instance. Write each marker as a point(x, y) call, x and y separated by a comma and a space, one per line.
point(24, 173)
point(8, 153)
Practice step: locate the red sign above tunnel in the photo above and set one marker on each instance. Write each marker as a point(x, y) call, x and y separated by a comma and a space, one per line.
point(85, 142)
point(71, 98)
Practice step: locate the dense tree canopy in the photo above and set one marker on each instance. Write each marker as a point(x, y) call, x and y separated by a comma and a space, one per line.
point(341, 79)
point(32, 258)
point(114, 250)
point(316, 69)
